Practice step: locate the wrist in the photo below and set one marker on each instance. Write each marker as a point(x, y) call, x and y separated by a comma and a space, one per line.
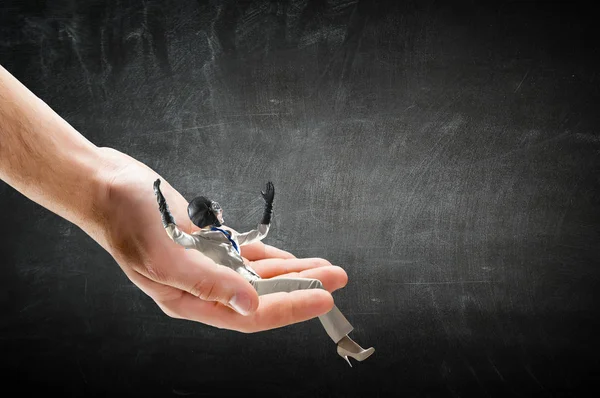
point(106, 165)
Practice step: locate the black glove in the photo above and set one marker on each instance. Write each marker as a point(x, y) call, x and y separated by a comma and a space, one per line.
point(268, 195)
point(167, 217)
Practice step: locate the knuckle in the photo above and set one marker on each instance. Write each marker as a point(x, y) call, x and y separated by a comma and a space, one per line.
point(320, 262)
point(290, 313)
point(205, 289)
point(154, 273)
point(169, 312)
point(284, 313)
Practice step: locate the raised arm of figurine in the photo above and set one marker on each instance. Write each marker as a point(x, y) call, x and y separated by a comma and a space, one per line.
point(177, 235)
point(263, 227)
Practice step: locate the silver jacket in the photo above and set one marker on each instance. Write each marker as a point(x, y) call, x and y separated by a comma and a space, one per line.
point(221, 248)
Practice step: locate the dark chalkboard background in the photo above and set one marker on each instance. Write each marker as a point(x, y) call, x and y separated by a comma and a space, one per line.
point(447, 157)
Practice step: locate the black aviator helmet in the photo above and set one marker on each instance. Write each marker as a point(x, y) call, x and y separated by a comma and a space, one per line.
point(203, 212)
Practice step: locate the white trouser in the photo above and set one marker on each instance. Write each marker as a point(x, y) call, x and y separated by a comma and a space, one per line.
point(335, 324)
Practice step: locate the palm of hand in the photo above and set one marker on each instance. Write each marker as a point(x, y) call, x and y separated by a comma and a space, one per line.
point(185, 283)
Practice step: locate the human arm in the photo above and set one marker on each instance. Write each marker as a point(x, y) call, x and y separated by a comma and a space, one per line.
point(107, 194)
point(46, 159)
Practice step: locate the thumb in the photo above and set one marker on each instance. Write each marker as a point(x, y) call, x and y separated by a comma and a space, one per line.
point(200, 276)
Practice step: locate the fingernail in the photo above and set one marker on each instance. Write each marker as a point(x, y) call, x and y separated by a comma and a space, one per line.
point(241, 303)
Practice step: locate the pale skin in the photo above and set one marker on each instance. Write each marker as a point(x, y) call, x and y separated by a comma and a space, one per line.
point(108, 194)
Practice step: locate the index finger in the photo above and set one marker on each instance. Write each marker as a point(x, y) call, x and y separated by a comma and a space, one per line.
point(274, 311)
point(259, 251)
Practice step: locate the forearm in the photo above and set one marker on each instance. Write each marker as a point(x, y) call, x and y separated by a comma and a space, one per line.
point(255, 235)
point(266, 218)
point(43, 157)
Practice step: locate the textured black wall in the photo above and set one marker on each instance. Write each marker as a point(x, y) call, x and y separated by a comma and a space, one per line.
point(447, 157)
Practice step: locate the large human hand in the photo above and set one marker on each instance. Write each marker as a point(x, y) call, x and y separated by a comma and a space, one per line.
point(185, 283)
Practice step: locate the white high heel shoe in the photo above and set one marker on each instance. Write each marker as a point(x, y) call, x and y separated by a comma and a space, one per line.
point(347, 347)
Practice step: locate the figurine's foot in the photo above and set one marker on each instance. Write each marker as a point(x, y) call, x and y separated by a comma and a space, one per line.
point(346, 347)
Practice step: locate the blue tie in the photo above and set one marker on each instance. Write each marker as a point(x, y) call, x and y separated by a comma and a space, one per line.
point(228, 237)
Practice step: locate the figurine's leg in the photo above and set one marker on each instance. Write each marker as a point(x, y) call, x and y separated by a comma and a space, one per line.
point(334, 322)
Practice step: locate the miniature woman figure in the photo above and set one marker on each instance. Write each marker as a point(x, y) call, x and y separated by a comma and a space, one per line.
point(223, 247)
